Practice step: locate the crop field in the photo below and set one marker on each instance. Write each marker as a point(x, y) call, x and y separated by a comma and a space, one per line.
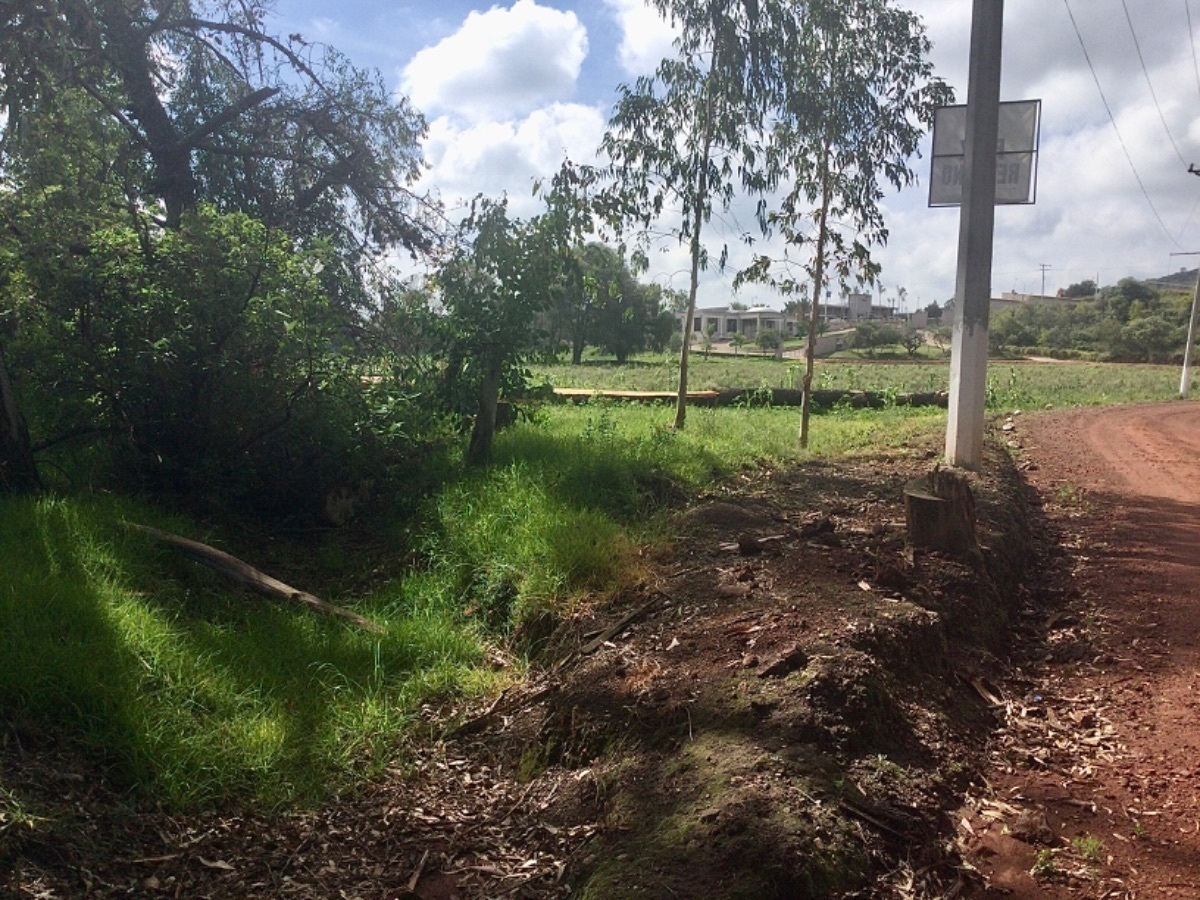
point(1028, 385)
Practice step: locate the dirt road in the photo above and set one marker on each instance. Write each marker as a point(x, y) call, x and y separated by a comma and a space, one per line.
point(1104, 731)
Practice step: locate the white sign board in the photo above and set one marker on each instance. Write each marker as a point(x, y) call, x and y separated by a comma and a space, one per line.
point(1016, 153)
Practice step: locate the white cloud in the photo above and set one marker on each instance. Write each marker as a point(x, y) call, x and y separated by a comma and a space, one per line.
point(645, 36)
point(1091, 217)
point(500, 62)
point(506, 156)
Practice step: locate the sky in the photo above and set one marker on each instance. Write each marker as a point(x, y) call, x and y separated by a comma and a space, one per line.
point(511, 89)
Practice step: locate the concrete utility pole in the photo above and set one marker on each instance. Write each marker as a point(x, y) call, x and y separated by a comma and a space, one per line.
point(1185, 383)
point(973, 289)
point(1044, 267)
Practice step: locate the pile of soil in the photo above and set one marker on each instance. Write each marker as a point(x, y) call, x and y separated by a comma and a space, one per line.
point(789, 703)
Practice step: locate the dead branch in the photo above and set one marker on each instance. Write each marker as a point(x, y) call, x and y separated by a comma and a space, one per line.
point(245, 574)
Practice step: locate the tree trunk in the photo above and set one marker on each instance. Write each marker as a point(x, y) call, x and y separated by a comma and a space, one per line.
point(698, 218)
point(939, 512)
point(579, 337)
point(174, 179)
point(18, 470)
point(810, 347)
point(484, 431)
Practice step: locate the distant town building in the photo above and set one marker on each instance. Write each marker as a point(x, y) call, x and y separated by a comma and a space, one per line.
point(724, 322)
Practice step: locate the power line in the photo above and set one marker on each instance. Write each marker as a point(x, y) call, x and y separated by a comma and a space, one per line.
point(1191, 216)
point(1146, 72)
point(1192, 37)
point(1112, 119)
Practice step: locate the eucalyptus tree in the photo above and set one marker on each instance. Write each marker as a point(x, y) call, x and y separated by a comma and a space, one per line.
point(689, 139)
point(860, 94)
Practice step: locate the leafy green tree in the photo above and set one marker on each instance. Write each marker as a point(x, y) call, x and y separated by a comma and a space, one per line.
point(206, 359)
point(860, 95)
point(738, 341)
point(567, 222)
point(1081, 289)
point(493, 287)
point(687, 139)
point(911, 340)
point(616, 302)
point(1120, 299)
point(706, 340)
point(133, 114)
point(660, 322)
point(1151, 338)
point(871, 336)
point(221, 109)
point(769, 340)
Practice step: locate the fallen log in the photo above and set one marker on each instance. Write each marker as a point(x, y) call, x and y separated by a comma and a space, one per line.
point(243, 573)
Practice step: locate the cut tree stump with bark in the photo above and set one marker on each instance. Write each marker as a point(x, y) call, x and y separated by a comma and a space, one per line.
point(939, 511)
point(244, 573)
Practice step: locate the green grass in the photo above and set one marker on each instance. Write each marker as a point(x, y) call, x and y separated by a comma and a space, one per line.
point(192, 692)
point(1031, 385)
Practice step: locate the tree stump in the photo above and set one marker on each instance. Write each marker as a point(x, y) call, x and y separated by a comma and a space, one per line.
point(939, 511)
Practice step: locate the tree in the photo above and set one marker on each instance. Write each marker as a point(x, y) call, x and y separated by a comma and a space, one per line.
point(706, 340)
point(686, 139)
point(1119, 300)
point(769, 339)
point(493, 285)
point(738, 341)
point(203, 361)
point(1081, 289)
point(870, 336)
point(621, 310)
point(224, 110)
point(1151, 338)
point(860, 94)
point(567, 222)
point(912, 340)
point(150, 109)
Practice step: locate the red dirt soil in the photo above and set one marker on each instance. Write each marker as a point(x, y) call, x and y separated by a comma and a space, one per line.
point(1104, 737)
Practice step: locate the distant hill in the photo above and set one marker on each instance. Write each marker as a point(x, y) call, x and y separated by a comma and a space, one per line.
point(1183, 280)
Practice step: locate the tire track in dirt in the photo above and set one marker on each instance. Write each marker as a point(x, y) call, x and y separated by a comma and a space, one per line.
point(1121, 487)
point(1155, 450)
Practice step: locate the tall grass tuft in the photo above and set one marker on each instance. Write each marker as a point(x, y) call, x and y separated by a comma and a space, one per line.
point(192, 692)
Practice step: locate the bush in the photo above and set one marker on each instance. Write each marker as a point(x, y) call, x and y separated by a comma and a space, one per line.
point(209, 362)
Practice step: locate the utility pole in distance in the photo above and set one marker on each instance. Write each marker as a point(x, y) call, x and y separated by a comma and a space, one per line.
point(1185, 380)
point(1044, 267)
point(977, 218)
